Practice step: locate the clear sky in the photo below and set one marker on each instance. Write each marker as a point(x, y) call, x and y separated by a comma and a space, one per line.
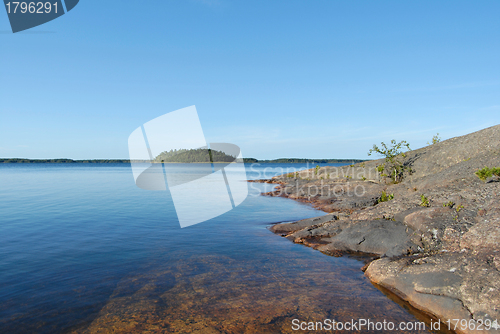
point(310, 79)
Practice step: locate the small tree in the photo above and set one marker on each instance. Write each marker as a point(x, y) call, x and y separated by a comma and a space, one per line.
point(486, 172)
point(393, 157)
point(435, 139)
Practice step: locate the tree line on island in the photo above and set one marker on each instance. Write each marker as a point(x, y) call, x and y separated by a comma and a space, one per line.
point(60, 161)
point(194, 155)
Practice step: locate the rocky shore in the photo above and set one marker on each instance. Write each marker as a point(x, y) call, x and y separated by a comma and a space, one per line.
point(434, 235)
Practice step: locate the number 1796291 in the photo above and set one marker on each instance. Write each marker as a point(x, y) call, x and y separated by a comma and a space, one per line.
point(31, 7)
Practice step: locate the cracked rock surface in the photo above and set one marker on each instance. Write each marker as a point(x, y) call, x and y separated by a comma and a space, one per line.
point(441, 255)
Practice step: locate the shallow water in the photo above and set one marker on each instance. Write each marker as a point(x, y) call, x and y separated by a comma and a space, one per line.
point(83, 250)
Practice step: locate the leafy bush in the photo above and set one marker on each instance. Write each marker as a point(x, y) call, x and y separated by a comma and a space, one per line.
point(460, 207)
point(486, 172)
point(384, 197)
point(435, 139)
point(316, 170)
point(424, 201)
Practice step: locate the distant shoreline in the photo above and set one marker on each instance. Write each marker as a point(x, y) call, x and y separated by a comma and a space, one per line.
point(245, 160)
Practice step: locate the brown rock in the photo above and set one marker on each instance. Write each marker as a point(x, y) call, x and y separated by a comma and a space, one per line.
point(483, 236)
point(427, 218)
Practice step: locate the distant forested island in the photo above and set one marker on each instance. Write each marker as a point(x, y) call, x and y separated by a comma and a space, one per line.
point(194, 155)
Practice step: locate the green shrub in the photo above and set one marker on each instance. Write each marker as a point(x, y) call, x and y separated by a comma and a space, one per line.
point(450, 204)
point(435, 139)
point(486, 172)
point(316, 170)
point(460, 207)
point(424, 201)
point(384, 197)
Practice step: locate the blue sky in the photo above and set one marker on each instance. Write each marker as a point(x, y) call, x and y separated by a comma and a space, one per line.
point(311, 79)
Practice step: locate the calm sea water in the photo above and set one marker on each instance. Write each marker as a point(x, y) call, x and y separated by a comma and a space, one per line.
point(83, 250)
